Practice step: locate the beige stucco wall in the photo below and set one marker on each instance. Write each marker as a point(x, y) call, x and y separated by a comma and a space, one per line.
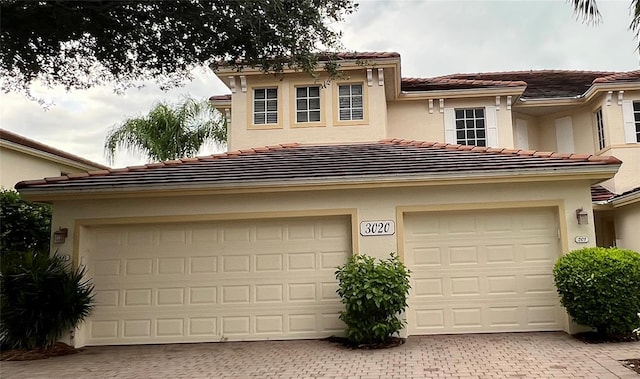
point(370, 204)
point(410, 119)
point(329, 130)
point(16, 166)
point(627, 221)
point(628, 176)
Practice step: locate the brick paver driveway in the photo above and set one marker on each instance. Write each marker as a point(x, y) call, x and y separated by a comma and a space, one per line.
point(511, 355)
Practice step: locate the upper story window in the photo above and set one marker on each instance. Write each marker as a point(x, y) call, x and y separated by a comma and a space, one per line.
point(308, 104)
point(265, 106)
point(350, 102)
point(600, 129)
point(470, 127)
point(636, 119)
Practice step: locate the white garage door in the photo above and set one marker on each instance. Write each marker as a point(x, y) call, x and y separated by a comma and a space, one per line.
point(240, 280)
point(482, 271)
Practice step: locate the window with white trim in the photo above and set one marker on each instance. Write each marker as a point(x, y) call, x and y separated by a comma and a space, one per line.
point(470, 127)
point(265, 106)
point(308, 104)
point(636, 119)
point(350, 102)
point(600, 129)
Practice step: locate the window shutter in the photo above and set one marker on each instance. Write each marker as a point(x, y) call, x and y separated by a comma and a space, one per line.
point(629, 122)
point(564, 135)
point(522, 134)
point(449, 126)
point(492, 126)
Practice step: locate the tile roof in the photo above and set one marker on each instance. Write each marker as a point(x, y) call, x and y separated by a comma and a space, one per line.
point(539, 83)
point(26, 142)
point(226, 97)
point(385, 160)
point(599, 193)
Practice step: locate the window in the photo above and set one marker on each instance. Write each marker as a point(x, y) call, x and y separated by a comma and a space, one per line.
point(470, 127)
point(350, 102)
point(308, 104)
point(636, 118)
point(265, 106)
point(600, 129)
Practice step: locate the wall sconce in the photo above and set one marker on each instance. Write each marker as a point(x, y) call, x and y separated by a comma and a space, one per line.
point(582, 216)
point(60, 235)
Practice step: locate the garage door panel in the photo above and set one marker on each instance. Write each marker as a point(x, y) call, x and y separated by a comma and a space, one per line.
point(496, 278)
point(239, 280)
point(194, 326)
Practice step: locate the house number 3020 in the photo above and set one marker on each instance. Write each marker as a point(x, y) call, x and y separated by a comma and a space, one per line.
point(377, 228)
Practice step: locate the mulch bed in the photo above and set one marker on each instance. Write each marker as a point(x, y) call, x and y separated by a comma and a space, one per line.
point(632, 364)
point(57, 350)
point(392, 342)
point(593, 337)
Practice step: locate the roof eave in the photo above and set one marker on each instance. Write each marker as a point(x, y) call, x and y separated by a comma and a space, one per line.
point(594, 174)
point(460, 93)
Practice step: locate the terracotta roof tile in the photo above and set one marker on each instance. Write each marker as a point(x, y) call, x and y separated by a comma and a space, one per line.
point(220, 97)
point(599, 193)
point(539, 83)
point(389, 158)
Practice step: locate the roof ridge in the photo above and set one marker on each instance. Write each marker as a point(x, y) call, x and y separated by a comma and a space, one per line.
point(504, 151)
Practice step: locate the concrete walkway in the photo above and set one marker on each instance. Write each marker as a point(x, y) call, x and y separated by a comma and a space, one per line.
point(509, 355)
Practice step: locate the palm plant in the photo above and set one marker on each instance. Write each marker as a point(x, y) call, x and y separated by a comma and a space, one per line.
point(169, 132)
point(588, 10)
point(41, 298)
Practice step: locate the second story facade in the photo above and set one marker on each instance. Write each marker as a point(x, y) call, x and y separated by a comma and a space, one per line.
point(583, 112)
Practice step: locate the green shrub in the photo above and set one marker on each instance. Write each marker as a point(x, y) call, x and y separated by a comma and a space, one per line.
point(374, 295)
point(40, 300)
point(24, 226)
point(600, 288)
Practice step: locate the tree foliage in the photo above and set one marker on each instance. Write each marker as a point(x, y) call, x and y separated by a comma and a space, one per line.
point(79, 44)
point(169, 131)
point(24, 225)
point(588, 10)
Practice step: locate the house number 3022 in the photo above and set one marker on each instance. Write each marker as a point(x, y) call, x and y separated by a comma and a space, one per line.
point(377, 228)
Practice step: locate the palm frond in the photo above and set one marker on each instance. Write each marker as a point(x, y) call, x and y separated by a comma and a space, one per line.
point(169, 132)
point(587, 10)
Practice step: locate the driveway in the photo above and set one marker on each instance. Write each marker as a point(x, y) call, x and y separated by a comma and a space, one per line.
point(509, 355)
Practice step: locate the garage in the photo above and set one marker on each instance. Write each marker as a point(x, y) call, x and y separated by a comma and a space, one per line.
point(215, 281)
point(482, 271)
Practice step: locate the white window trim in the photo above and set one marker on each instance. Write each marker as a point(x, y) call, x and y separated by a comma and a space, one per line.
point(629, 122)
point(490, 124)
point(601, 140)
point(307, 98)
point(351, 108)
point(266, 112)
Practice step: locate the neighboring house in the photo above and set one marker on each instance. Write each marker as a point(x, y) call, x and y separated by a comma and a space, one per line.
point(244, 245)
point(22, 159)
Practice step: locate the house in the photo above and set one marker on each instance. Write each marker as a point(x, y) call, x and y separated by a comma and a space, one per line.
point(456, 174)
point(22, 158)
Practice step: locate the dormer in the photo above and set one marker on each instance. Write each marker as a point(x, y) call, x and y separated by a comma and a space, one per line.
point(266, 109)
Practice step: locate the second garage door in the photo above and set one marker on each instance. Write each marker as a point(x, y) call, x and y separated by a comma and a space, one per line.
point(482, 271)
point(235, 280)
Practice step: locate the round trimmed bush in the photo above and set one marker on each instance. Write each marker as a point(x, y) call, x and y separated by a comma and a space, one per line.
point(600, 288)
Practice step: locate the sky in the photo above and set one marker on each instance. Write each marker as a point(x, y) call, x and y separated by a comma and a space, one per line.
point(433, 37)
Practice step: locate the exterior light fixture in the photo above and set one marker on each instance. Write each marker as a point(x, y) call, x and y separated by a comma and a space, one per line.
point(60, 235)
point(582, 216)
